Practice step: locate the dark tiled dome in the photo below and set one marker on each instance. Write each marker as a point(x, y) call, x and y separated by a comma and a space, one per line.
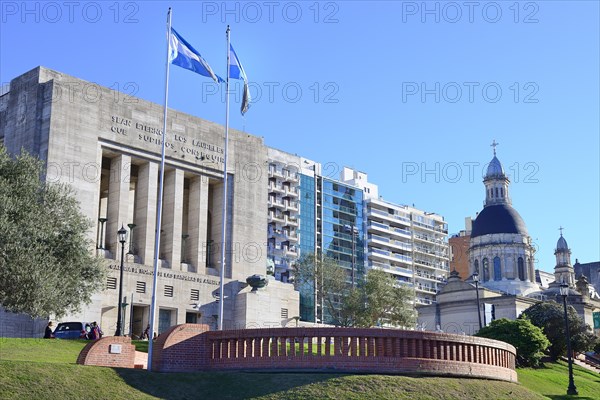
point(500, 218)
point(562, 244)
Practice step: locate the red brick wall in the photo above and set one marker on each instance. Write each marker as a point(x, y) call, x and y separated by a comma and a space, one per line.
point(98, 353)
point(181, 348)
point(191, 347)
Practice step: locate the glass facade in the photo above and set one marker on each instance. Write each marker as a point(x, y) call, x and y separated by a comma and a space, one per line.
point(342, 207)
point(342, 229)
point(307, 242)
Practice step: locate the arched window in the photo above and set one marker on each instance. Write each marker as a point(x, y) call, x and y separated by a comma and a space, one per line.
point(521, 268)
point(496, 192)
point(486, 270)
point(476, 265)
point(497, 270)
point(501, 192)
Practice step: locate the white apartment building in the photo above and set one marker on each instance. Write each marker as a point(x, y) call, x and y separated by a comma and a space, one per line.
point(408, 243)
point(283, 208)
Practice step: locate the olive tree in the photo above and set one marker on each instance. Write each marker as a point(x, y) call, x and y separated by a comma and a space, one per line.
point(46, 266)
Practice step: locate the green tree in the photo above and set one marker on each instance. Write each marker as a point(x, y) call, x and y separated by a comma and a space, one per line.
point(329, 278)
point(549, 316)
point(528, 339)
point(381, 301)
point(375, 300)
point(46, 266)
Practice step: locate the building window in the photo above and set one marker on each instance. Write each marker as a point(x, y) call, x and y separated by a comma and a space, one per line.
point(111, 283)
point(486, 269)
point(140, 287)
point(496, 189)
point(521, 268)
point(501, 192)
point(168, 291)
point(195, 295)
point(284, 313)
point(476, 265)
point(191, 318)
point(497, 269)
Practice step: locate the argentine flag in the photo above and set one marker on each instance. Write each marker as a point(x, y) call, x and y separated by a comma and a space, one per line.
point(236, 71)
point(181, 53)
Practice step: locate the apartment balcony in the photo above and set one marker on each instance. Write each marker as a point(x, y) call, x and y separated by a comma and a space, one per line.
point(432, 228)
point(282, 234)
point(425, 263)
point(431, 252)
point(275, 188)
point(277, 203)
point(391, 269)
point(379, 227)
point(424, 301)
point(291, 176)
point(291, 191)
point(275, 172)
point(291, 206)
point(291, 221)
point(429, 239)
point(386, 255)
point(291, 251)
point(276, 217)
point(283, 249)
point(393, 244)
point(420, 274)
point(390, 217)
point(425, 289)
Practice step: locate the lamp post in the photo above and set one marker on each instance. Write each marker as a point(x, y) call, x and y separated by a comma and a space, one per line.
point(122, 234)
point(564, 292)
point(475, 277)
point(352, 229)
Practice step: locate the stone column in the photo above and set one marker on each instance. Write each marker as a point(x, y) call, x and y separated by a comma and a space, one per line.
point(118, 200)
point(146, 204)
point(172, 217)
point(197, 222)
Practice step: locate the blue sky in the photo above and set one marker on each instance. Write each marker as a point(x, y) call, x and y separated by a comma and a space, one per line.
point(412, 93)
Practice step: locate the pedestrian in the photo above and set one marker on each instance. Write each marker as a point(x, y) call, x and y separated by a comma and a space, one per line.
point(49, 334)
point(95, 332)
point(146, 334)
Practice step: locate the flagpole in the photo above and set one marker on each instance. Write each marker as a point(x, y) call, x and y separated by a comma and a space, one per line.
point(160, 201)
point(224, 217)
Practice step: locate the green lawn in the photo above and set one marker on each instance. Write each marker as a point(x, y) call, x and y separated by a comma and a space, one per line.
point(553, 378)
point(41, 350)
point(45, 369)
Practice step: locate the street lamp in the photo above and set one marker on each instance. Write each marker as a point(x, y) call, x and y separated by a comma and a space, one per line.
point(564, 292)
point(354, 230)
point(475, 278)
point(122, 234)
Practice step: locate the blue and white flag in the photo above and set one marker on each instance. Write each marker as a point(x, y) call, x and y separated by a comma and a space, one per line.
point(236, 71)
point(181, 53)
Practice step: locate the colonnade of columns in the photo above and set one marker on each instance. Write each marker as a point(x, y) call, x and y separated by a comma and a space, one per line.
point(129, 196)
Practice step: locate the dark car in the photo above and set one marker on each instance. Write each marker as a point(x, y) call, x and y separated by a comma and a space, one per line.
point(72, 330)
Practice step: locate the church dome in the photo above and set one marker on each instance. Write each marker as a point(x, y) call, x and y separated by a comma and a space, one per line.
point(494, 168)
point(498, 218)
point(562, 244)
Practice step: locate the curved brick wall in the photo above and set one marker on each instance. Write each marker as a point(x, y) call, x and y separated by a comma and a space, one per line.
point(98, 353)
point(192, 347)
point(181, 348)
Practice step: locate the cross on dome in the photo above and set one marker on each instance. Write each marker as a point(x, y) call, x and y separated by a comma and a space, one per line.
point(494, 144)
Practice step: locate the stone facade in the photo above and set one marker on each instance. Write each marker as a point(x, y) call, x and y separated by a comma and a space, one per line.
point(106, 145)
